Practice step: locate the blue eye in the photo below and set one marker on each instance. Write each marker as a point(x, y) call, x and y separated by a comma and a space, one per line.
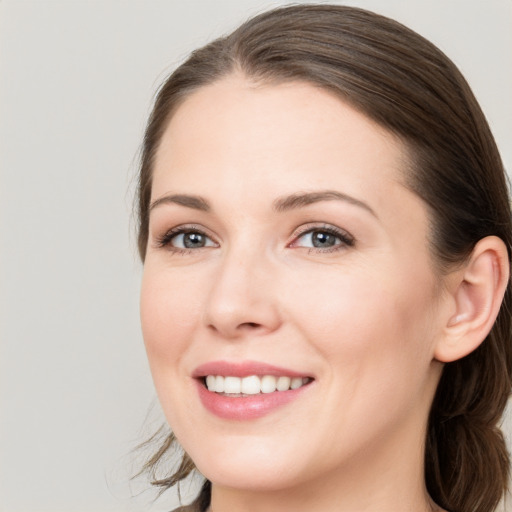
point(191, 240)
point(184, 239)
point(324, 238)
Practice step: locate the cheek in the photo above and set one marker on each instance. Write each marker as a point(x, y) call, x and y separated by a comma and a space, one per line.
point(360, 321)
point(170, 310)
point(375, 337)
point(334, 308)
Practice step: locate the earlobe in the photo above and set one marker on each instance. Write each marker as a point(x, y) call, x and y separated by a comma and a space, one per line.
point(477, 293)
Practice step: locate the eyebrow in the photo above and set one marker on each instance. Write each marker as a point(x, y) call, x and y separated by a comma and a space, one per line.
point(304, 199)
point(195, 202)
point(281, 204)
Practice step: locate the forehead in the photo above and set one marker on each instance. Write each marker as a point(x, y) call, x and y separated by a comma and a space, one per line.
point(236, 140)
point(266, 115)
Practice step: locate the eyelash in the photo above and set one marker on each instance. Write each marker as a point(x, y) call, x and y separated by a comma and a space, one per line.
point(164, 241)
point(346, 240)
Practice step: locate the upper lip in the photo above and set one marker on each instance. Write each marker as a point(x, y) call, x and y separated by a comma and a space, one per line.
point(244, 369)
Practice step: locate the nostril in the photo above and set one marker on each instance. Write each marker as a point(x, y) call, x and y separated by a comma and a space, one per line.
point(243, 326)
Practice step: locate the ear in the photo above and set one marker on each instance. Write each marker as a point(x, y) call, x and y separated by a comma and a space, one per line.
point(476, 291)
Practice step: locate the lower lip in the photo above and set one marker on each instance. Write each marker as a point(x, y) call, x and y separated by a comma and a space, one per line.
point(247, 407)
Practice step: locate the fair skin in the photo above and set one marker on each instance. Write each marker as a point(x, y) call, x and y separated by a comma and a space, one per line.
point(338, 287)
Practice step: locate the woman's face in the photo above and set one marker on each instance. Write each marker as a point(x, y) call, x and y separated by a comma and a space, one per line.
point(284, 250)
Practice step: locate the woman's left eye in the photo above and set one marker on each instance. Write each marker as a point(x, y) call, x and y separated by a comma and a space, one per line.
point(323, 238)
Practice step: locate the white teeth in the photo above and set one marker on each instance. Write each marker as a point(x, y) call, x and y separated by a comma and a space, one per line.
point(219, 384)
point(283, 383)
point(253, 385)
point(232, 385)
point(296, 383)
point(210, 382)
point(268, 384)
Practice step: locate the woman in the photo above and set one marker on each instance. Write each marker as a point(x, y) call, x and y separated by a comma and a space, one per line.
point(326, 236)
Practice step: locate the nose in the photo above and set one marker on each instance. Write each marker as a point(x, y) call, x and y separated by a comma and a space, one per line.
point(242, 299)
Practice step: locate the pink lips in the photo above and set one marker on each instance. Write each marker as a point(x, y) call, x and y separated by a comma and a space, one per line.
point(244, 369)
point(244, 407)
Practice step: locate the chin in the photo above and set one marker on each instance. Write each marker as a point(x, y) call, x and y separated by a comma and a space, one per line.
point(256, 469)
point(250, 478)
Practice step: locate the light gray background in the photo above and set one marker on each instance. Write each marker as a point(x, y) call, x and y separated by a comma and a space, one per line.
point(76, 82)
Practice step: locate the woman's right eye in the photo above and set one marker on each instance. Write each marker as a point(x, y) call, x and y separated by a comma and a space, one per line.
point(185, 239)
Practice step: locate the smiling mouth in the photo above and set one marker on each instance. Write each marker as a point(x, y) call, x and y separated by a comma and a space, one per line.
point(252, 385)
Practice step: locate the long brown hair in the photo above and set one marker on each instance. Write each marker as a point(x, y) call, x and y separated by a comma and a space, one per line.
point(407, 85)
